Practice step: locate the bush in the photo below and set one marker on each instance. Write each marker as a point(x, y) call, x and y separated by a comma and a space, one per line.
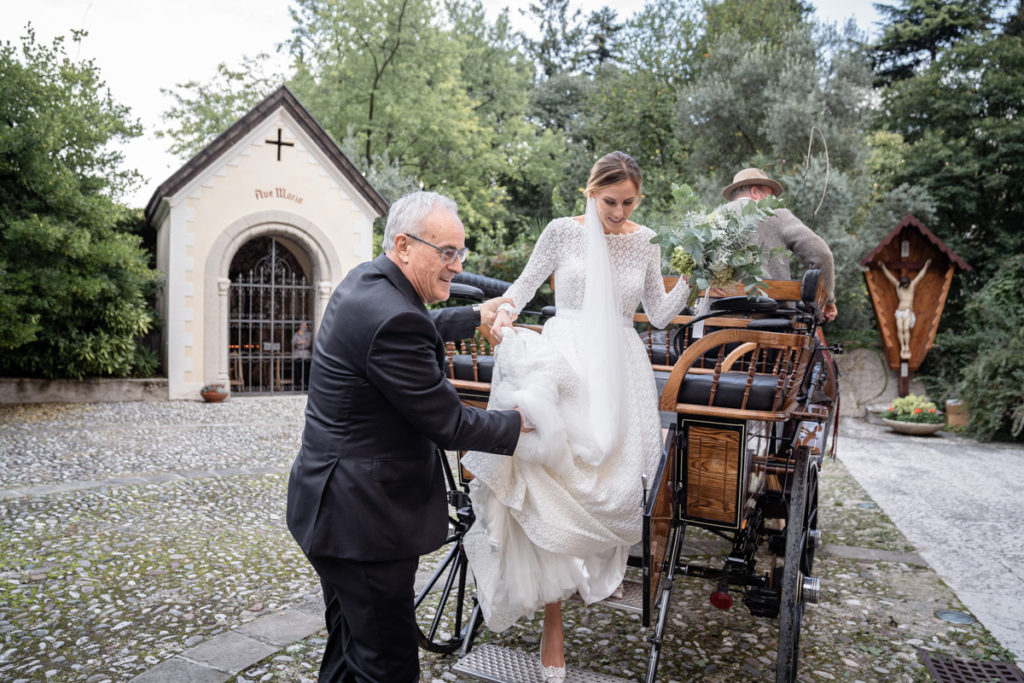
point(992, 385)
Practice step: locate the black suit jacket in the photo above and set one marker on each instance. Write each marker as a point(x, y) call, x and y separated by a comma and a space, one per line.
point(367, 484)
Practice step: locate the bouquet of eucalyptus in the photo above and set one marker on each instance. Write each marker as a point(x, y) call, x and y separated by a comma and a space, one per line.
point(715, 248)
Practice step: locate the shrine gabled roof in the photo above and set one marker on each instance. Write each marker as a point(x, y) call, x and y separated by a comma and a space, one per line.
point(909, 220)
point(280, 98)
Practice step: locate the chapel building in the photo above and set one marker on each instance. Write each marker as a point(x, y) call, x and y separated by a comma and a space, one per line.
point(252, 236)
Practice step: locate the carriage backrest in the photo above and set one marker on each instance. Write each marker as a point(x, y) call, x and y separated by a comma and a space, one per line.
point(757, 375)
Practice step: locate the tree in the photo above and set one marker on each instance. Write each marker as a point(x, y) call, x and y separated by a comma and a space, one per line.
point(74, 280)
point(960, 119)
point(561, 47)
point(753, 21)
point(602, 33)
point(993, 380)
point(916, 30)
point(202, 111)
point(764, 101)
point(1014, 24)
point(633, 102)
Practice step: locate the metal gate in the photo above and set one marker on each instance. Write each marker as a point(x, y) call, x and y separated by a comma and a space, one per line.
point(270, 321)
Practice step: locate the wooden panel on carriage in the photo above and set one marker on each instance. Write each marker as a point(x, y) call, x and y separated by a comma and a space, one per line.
point(659, 518)
point(713, 472)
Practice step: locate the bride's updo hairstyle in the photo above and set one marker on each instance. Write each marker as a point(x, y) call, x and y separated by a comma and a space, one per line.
point(613, 168)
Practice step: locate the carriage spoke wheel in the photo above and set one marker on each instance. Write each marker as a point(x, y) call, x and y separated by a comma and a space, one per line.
point(442, 615)
point(801, 542)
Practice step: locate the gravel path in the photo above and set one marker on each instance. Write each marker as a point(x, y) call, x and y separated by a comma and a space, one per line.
point(131, 532)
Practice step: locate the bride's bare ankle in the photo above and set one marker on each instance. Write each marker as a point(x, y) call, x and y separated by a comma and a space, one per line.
point(552, 642)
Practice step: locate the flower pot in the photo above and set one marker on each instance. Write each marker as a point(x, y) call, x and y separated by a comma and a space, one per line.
point(213, 396)
point(918, 428)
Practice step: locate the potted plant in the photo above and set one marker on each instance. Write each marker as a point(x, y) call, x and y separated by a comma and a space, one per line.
point(214, 392)
point(913, 414)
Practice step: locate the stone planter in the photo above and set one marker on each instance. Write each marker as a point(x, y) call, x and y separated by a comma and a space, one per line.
point(917, 428)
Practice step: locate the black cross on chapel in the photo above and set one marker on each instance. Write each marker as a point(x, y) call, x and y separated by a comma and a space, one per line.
point(279, 144)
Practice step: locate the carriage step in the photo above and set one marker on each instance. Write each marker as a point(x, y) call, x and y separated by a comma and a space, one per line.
point(503, 665)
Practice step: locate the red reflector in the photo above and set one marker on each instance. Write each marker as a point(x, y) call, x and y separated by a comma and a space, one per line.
point(721, 600)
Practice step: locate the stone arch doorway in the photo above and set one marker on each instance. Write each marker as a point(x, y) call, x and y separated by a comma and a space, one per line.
point(270, 316)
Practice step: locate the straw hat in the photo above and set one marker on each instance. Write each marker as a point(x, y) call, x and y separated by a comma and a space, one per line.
point(751, 176)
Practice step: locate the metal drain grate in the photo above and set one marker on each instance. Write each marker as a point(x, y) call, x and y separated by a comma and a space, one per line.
point(946, 669)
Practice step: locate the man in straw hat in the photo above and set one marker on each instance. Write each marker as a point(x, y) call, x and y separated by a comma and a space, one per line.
point(783, 230)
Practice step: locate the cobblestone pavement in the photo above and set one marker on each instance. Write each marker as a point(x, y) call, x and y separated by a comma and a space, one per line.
point(133, 535)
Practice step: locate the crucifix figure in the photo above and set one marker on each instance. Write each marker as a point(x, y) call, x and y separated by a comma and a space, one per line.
point(905, 317)
point(279, 144)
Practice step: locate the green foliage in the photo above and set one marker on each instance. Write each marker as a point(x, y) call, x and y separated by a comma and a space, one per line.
point(762, 102)
point(438, 92)
point(914, 408)
point(74, 281)
point(494, 257)
point(916, 30)
point(959, 120)
point(202, 111)
point(753, 21)
point(993, 379)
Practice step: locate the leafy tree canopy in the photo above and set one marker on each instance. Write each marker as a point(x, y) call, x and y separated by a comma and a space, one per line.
point(915, 31)
point(964, 141)
point(74, 281)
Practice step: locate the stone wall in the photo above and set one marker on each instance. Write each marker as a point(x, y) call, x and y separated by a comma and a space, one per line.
point(865, 381)
point(20, 390)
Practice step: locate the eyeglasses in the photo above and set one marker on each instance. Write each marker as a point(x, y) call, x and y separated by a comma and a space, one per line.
point(448, 256)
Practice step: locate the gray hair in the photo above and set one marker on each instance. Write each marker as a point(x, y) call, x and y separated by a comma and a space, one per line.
point(408, 213)
point(743, 191)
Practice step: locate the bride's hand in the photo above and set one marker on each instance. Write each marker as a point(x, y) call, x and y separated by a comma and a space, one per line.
point(502, 319)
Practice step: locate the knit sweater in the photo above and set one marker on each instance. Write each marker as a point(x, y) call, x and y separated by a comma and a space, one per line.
point(786, 230)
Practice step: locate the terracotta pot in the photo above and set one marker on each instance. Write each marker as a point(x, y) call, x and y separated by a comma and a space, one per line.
point(213, 396)
point(918, 428)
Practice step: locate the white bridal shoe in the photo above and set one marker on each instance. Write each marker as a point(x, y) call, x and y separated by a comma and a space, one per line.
point(553, 674)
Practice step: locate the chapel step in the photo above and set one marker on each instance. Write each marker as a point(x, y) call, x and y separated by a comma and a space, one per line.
point(498, 664)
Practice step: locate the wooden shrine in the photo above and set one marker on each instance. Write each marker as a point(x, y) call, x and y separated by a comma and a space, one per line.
point(909, 298)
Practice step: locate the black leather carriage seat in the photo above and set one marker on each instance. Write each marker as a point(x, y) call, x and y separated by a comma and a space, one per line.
point(696, 389)
point(463, 366)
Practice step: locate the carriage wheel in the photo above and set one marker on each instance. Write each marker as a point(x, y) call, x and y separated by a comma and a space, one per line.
point(801, 542)
point(442, 618)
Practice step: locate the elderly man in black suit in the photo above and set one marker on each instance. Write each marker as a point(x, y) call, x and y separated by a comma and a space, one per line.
point(366, 495)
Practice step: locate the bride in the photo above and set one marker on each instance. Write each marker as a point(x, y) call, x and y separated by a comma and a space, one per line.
point(559, 518)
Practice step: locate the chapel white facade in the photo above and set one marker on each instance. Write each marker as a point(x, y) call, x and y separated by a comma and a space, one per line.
point(252, 235)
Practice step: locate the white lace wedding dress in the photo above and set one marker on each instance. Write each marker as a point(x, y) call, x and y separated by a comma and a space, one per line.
point(548, 523)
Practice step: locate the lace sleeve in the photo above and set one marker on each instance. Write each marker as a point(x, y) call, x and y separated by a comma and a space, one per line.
point(659, 305)
point(542, 263)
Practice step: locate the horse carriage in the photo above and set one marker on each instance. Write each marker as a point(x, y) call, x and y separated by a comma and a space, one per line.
point(749, 408)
